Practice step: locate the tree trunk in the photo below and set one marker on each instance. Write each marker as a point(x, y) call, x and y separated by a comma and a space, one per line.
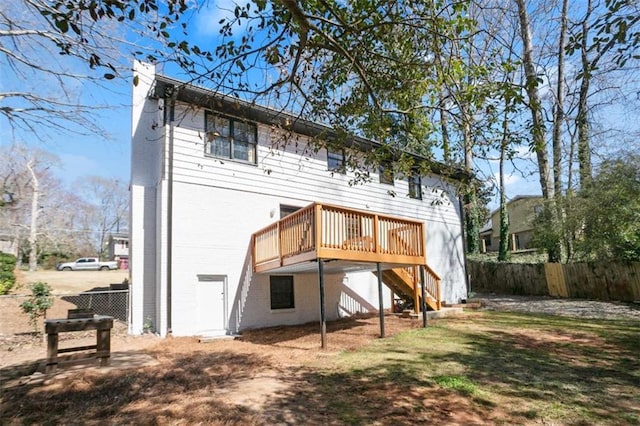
point(538, 128)
point(558, 114)
point(473, 221)
point(446, 148)
point(558, 121)
point(535, 106)
point(504, 214)
point(582, 120)
point(33, 229)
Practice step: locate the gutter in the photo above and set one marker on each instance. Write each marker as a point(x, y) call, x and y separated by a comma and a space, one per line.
point(463, 218)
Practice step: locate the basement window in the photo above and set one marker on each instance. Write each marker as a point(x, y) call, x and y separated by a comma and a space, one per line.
point(281, 291)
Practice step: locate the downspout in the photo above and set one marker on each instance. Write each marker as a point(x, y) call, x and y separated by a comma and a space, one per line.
point(464, 248)
point(171, 94)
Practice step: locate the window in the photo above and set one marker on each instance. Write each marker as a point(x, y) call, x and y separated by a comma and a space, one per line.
point(386, 173)
point(336, 161)
point(415, 186)
point(287, 210)
point(230, 138)
point(281, 289)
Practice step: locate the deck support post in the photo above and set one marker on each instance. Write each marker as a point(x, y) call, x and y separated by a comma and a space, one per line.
point(323, 315)
point(380, 300)
point(423, 305)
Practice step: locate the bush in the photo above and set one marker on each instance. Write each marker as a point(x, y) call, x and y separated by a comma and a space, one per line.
point(50, 260)
point(7, 278)
point(36, 306)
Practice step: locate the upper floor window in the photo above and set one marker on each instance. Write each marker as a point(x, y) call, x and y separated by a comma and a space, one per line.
point(385, 170)
point(415, 186)
point(336, 161)
point(230, 138)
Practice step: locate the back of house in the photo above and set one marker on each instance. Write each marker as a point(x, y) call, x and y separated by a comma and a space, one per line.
point(238, 222)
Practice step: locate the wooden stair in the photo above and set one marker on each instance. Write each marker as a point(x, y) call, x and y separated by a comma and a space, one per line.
point(405, 283)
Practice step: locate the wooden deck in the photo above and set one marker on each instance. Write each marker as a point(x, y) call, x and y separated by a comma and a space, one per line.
point(322, 231)
point(354, 239)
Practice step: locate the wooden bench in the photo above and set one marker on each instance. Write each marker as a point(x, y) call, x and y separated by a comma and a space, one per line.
point(101, 323)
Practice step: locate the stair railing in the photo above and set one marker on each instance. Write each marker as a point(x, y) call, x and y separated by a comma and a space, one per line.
point(432, 285)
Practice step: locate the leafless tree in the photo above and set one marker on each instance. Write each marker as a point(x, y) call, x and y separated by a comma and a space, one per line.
point(54, 78)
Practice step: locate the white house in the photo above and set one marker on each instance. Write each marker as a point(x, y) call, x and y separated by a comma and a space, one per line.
point(210, 251)
point(118, 248)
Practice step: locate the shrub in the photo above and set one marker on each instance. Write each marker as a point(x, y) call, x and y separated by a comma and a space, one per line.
point(49, 261)
point(36, 306)
point(7, 278)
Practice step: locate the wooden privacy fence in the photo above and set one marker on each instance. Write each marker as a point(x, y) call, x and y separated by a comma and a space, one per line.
point(599, 281)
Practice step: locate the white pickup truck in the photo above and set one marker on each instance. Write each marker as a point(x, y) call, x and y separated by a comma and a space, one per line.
point(87, 264)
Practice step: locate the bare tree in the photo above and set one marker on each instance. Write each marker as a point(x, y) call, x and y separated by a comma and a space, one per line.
point(50, 65)
point(108, 207)
point(28, 177)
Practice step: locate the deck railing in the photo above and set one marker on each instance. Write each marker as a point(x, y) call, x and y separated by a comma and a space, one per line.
point(432, 286)
point(333, 232)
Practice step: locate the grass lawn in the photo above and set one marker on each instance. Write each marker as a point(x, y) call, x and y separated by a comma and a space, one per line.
point(499, 368)
point(482, 368)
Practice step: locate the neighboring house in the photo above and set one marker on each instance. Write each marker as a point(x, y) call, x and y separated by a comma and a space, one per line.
point(522, 211)
point(8, 244)
point(232, 228)
point(118, 245)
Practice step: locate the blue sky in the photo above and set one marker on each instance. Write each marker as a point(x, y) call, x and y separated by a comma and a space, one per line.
point(87, 155)
point(106, 155)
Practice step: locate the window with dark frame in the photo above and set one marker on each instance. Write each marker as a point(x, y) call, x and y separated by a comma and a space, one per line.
point(287, 210)
point(230, 138)
point(385, 170)
point(336, 161)
point(281, 291)
point(415, 186)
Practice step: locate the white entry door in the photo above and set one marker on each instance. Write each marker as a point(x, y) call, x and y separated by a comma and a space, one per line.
point(212, 304)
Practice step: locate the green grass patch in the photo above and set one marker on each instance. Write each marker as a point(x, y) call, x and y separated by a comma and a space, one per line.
point(501, 367)
point(457, 383)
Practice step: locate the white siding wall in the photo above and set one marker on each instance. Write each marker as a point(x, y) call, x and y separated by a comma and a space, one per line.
point(294, 173)
point(219, 203)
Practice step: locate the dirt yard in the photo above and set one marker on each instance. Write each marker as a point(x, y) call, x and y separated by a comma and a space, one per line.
point(69, 281)
point(14, 324)
point(280, 376)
